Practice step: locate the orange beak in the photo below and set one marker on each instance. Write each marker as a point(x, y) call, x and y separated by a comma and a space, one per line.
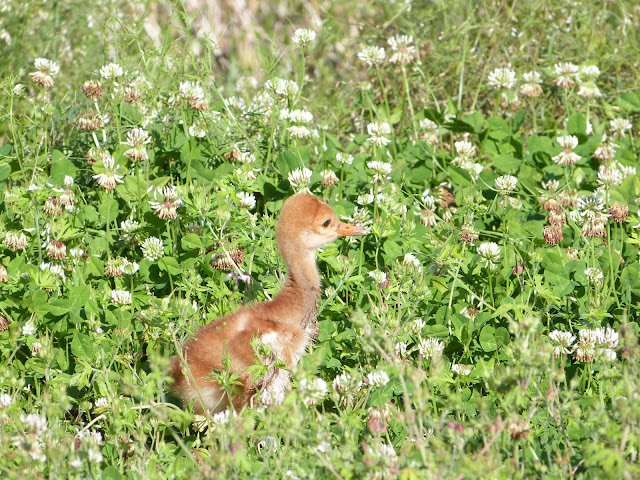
point(347, 230)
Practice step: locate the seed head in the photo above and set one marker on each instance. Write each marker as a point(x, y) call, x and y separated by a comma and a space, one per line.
point(57, 250)
point(92, 89)
point(468, 234)
point(619, 212)
point(90, 122)
point(552, 234)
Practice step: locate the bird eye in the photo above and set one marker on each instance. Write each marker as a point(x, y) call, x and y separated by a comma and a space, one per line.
point(326, 224)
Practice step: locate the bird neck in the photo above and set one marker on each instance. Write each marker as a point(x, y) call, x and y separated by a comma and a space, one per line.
point(302, 284)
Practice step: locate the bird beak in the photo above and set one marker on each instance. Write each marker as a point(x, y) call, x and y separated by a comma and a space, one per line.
point(347, 230)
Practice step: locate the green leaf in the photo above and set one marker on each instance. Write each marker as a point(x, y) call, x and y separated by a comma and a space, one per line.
point(506, 163)
point(577, 124)
point(83, 347)
point(488, 339)
point(381, 395)
point(459, 176)
point(5, 171)
point(61, 166)
point(170, 265)
point(108, 208)
point(392, 250)
point(191, 242)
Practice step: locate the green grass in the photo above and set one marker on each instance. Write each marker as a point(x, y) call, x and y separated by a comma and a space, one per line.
point(91, 368)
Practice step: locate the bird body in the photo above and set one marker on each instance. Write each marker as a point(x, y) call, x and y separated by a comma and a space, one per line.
point(287, 323)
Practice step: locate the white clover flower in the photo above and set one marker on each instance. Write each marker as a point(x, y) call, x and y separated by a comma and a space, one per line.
point(121, 297)
point(68, 181)
point(567, 156)
point(589, 89)
point(591, 72)
point(344, 158)
point(372, 55)
point(490, 253)
point(19, 90)
point(303, 37)
point(247, 200)
point(28, 329)
point(222, 418)
point(152, 248)
point(300, 179)
point(377, 132)
point(609, 177)
point(381, 170)
point(299, 131)
point(130, 268)
point(95, 456)
point(565, 74)
point(55, 270)
point(196, 130)
point(590, 206)
point(411, 260)
point(430, 347)
point(465, 149)
point(111, 71)
point(620, 126)
point(378, 378)
point(378, 276)
point(563, 341)
point(102, 402)
point(312, 391)
point(594, 275)
point(502, 78)
point(129, 225)
point(300, 116)
point(402, 48)
point(365, 199)
point(416, 326)
point(282, 88)
point(506, 183)
point(34, 422)
point(346, 384)
point(461, 369)
point(607, 337)
point(5, 400)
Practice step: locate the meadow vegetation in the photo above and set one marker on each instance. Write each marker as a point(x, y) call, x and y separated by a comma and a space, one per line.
point(486, 327)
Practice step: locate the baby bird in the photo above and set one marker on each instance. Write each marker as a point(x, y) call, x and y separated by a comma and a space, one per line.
point(287, 323)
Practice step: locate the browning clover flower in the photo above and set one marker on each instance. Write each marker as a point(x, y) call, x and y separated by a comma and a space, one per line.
point(329, 178)
point(193, 94)
point(57, 250)
point(167, 207)
point(565, 74)
point(403, 49)
point(372, 55)
point(567, 156)
point(109, 179)
point(137, 138)
point(606, 150)
point(46, 68)
point(531, 87)
point(502, 78)
point(92, 89)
